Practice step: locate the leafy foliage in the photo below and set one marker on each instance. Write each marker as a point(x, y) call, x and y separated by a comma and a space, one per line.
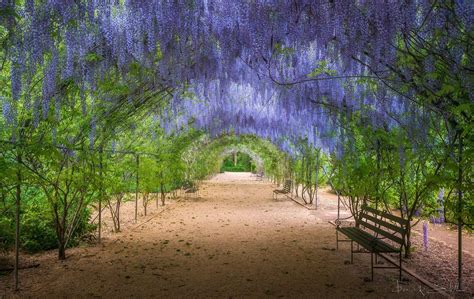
point(102, 100)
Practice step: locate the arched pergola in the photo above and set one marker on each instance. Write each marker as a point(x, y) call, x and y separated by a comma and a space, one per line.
point(383, 88)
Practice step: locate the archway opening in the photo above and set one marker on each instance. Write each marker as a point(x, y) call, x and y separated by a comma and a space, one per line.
point(238, 162)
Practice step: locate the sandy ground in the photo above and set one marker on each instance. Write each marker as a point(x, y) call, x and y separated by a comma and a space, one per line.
point(233, 240)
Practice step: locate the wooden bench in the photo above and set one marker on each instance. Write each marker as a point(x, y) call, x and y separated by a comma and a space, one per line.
point(259, 176)
point(285, 191)
point(190, 188)
point(378, 232)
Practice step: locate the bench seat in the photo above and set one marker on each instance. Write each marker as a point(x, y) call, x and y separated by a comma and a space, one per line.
point(285, 191)
point(372, 228)
point(367, 240)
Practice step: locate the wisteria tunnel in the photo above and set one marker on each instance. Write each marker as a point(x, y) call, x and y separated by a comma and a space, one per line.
point(245, 148)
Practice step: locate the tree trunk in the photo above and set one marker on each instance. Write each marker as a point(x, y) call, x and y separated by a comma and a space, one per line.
point(408, 241)
point(115, 211)
point(163, 195)
point(101, 194)
point(459, 208)
point(17, 221)
point(377, 183)
point(310, 183)
point(136, 188)
point(112, 214)
point(145, 202)
point(118, 213)
point(317, 181)
point(62, 251)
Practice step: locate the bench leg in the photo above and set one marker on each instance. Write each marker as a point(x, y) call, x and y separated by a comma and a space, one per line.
point(372, 265)
point(352, 252)
point(400, 274)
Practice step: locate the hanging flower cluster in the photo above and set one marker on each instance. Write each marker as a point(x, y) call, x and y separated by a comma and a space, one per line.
point(282, 70)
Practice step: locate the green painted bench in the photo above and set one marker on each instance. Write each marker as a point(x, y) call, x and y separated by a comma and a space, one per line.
point(377, 232)
point(285, 191)
point(190, 188)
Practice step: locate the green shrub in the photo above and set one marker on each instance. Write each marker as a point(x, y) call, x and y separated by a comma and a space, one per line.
point(244, 163)
point(37, 232)
point(7, 236)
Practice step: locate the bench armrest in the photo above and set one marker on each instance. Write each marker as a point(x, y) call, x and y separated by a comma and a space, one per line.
point(341, 221)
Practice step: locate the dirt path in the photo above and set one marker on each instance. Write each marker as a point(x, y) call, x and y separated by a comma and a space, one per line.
point(232, 241)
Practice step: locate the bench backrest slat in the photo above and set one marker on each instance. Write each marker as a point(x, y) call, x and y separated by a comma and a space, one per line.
point(382, 232)
point(287, 185)
point(381, 222)
point(384, 214)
